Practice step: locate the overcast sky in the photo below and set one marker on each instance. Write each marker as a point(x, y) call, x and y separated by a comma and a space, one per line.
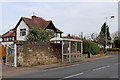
point(70, 17)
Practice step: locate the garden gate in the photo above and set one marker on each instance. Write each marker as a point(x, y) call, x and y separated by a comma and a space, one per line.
point(11, 55)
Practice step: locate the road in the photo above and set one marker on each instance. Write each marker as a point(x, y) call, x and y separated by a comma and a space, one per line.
point(104, 68)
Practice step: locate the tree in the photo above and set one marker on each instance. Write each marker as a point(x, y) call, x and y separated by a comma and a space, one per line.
point(117, 42)
point(93, 37)
point(38, 35)
point(102, 35)
point(115, 34)
point(33, 35)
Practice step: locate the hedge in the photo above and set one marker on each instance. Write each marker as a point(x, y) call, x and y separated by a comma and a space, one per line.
point(113, 49)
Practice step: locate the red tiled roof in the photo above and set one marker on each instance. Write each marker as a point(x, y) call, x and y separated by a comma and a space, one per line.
point(38, 22)
point(10, 33)
point(0, 36)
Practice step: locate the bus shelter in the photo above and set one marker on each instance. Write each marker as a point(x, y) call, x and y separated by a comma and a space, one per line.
point(72, 49)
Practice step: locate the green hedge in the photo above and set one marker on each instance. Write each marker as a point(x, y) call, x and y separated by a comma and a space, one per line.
point(91, 47)
point(113, 49)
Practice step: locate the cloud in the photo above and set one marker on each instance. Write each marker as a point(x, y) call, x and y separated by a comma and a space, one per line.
point(71, 17)
point(59, 0)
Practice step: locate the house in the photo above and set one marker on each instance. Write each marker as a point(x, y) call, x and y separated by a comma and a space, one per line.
point(0, 38)
point(21, 30)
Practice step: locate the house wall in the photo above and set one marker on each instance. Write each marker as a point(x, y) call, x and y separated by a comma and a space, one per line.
point(0, 39)
point(6, 43)
point(22, 25)
point(0, 51)
point(7, 39)
point(58, 35)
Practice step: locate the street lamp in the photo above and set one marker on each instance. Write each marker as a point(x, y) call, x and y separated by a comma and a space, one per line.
point(106, 29)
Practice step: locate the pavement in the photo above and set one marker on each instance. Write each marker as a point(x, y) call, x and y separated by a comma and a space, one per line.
point(17, 71)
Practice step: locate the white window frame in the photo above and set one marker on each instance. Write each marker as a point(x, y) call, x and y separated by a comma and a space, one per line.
point(22, 32)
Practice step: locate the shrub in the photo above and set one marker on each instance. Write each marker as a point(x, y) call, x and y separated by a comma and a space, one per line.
point(86, 46)
point(4, 57)
point(117, 43)
point(94, 48)
point(102, 49)
point(91, 47)
point(39, 35)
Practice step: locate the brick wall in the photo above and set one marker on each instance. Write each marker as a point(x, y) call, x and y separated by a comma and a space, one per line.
point(38, 53)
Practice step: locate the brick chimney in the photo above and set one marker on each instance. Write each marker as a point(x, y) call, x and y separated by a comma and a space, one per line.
point(33, 17)
point(68, 35)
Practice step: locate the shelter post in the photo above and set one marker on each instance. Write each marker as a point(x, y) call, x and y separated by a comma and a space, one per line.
point(62, 51)
point(70, 51)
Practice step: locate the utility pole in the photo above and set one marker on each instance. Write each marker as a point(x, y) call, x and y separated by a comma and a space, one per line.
point(81, 36)
point(106, 27)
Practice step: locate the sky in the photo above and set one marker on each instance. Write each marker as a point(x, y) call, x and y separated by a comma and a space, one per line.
point(70, 17)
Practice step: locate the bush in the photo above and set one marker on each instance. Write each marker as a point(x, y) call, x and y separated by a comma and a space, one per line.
point(117, 43)
point(38, 35)
point(4, 59)
point(102, 49)
point(91, 47)
point(86, 46)
point(94, 48)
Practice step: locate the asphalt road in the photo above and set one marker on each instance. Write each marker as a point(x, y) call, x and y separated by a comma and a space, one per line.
point(104, 68)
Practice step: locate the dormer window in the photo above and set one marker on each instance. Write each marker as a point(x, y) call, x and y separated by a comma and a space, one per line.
point(22, 32)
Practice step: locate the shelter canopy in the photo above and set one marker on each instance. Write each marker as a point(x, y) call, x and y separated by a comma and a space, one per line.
point(65, 39)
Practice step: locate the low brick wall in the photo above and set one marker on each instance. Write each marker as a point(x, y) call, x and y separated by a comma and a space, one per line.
point(38, 53)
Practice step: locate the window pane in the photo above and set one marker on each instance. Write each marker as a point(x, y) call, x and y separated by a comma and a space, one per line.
point(22, 32)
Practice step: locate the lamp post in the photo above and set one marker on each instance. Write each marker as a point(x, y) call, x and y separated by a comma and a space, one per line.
point(106, 29)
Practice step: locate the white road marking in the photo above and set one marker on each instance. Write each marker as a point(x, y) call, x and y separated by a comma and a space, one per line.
point(74, 75)
point(116, 63)
point(100, 68)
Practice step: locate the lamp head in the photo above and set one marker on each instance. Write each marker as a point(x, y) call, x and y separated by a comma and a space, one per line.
point(112, 16)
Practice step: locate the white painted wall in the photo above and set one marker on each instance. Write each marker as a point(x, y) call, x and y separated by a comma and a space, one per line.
point(58, 35)
point(0, 39)
point(22, 25)
point(108, 46)
point(6, 43)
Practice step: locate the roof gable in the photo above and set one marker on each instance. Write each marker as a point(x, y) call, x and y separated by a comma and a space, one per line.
point(38, 23)
point(51, 26)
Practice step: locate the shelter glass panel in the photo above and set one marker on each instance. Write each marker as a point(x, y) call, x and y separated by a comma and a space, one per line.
point(73, 51)
point(66, 51)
